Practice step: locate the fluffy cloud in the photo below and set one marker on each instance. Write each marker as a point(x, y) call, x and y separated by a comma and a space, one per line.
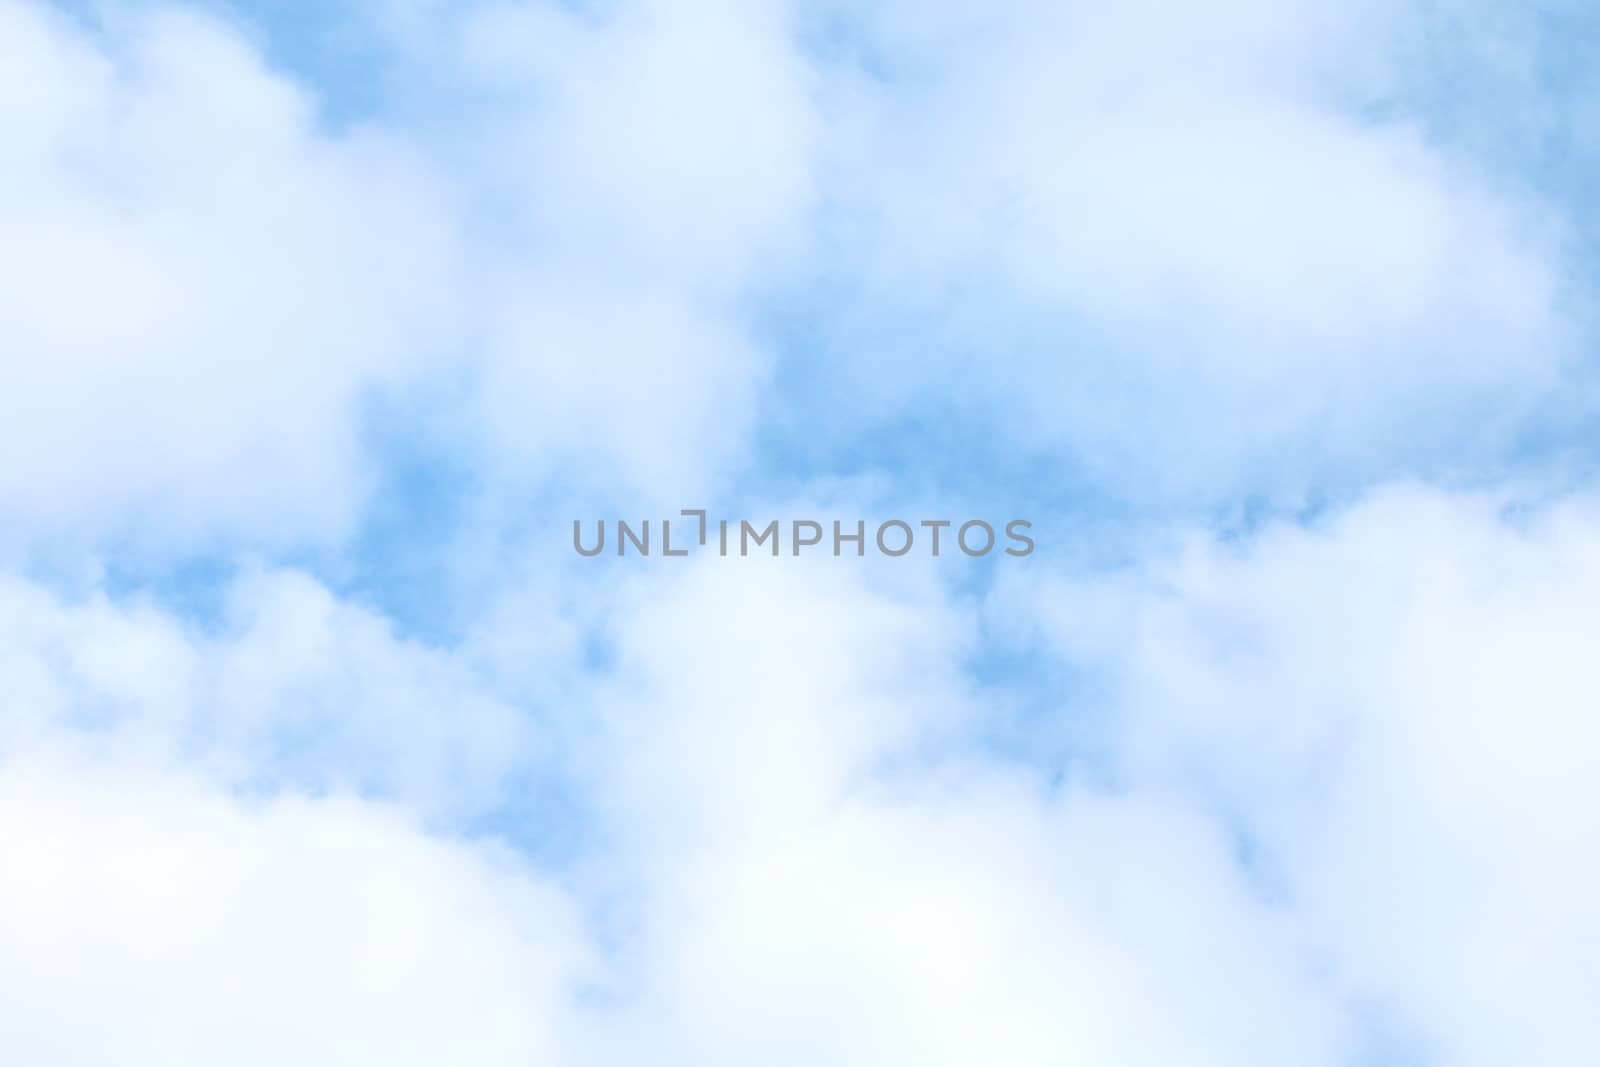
point(210, 289)
point(819, 869)
point(1393, 709)
point(1311, 794)
point(1201, 251)
point(200, 286)
point(291, 687)
point(789, 858)
point(644, 168)
point(1338, 795)
point(146, 918)
point(563, 237)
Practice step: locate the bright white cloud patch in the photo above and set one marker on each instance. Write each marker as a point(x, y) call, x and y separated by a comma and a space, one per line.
point(1396, 709)
point(198, 285)
point(206, 291)
point(147, 919)
point(796, 869)
point(1318, 794)
point(810, 864)
point(824, 873)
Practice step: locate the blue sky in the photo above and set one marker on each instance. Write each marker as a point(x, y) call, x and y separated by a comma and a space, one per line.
point(320, 324)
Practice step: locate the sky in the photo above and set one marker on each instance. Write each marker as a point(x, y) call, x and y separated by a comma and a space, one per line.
point(321, 324)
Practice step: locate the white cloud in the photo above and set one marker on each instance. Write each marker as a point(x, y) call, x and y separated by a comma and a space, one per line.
point(294, 687)
point(817, 868)
point(199, 286)
point(1395, 706)
point(1347, 799)
point(1345, 768)
point(656, 142)
point(206, 288)
point(788, 857)
point(148, 919)
point(645, 395)
point(1109, 233)
point(1204, 250)
point(644, 168)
